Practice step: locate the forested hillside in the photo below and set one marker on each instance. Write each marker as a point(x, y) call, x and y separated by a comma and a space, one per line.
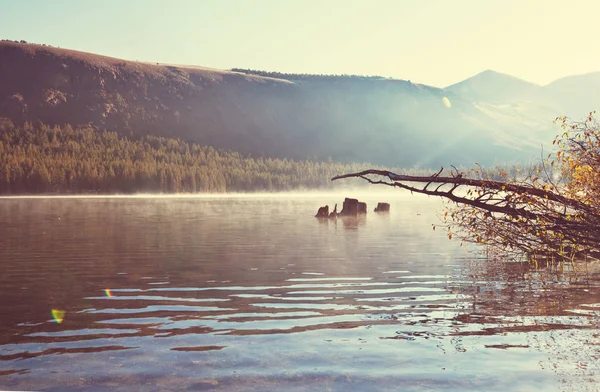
point(270, 114)
point(41, 159)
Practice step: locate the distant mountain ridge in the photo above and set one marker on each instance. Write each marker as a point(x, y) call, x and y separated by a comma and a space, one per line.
point(574, 95)
point(488, 118)
point(578, 93)
point(494, 86)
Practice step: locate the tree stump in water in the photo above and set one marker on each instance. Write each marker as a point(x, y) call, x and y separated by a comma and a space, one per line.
point(323, 212)
point(362, 207)
point(350, 207)
point(334, 213)
point(353, 207)
point(382, 207)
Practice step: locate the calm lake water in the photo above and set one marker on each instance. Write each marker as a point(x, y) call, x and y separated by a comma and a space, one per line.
point(251, 293)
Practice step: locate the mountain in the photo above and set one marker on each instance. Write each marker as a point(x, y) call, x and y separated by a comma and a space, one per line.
point(521, 110)
point(489, 118)
point(577, 95)
point(491, 86)
point(527, 110)
point(572, 96)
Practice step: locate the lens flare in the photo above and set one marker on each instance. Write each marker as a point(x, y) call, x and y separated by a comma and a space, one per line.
point(108, 293)
point(58, 315)
point(446, 102)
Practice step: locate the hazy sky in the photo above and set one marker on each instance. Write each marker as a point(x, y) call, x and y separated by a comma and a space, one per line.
point(437, 42)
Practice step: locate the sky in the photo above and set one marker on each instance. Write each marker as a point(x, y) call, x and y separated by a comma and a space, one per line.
point(435, 42)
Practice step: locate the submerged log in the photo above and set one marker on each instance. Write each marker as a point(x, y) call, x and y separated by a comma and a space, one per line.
point(323, 212)
point(382, 207)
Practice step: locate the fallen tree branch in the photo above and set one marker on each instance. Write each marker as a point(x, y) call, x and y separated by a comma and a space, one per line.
point(535, 216)
point(460, 180)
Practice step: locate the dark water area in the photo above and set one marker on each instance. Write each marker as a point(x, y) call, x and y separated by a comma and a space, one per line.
point(251, 293)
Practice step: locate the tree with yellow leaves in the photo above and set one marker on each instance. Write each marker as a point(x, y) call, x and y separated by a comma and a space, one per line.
point(553, 210)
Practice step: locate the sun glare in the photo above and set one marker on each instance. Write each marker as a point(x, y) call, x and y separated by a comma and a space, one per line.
point(446, 102)
point(58, 315)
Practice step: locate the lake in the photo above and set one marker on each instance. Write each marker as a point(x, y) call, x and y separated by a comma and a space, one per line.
point(252, 293)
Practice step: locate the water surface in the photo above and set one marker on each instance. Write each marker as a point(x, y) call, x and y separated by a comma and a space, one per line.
point(252, 293)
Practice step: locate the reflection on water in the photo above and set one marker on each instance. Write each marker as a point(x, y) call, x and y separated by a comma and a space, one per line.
point(253, 293)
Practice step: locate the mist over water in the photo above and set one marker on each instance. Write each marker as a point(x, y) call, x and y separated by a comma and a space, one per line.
point(250, 292)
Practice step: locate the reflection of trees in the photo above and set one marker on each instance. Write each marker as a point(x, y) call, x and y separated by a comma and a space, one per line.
point(59, 253)
point(183, 242)
point(509, 288)
point(554, 306)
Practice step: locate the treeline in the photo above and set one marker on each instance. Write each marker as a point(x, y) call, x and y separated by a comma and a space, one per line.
point(38, 159)
point(312, 77)
point(20, 42)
